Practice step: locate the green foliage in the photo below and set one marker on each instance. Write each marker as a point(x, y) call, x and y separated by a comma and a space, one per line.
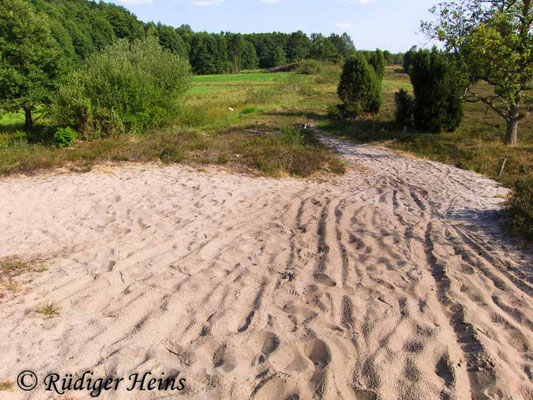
point(249, 56)
point(389, 57)
point(65, 137)
point(126, 87)
point(278, 57)
point(520, 207)
point(439, 83)
point(292, 136)
point(408, 58)
point(309, 67)
point(405, 103)
point(359, 88)
point(495, 38)
point(377, 61)
point(30, 60)
point(299, 46)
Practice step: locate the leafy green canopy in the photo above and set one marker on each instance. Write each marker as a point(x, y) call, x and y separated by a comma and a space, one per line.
point(359, 88)
point(128, 86)
point(30, 59)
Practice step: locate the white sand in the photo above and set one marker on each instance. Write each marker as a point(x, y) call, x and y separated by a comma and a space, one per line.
point(390, 282)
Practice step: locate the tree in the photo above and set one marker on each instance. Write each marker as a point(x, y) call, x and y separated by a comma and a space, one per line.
point(299, 46)
point(403, 113)
point(496, 40)
point(235, 50)
point(343, 44)
point(377, 61)
point(389, 57)
point(359, 88)
point(278, 57)
point(30, 60)
point(323, 49)
point(407, 58)
point(439, 83)
point(249, 56)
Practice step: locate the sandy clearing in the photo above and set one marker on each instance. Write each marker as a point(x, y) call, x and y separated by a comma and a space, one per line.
point(390, 282)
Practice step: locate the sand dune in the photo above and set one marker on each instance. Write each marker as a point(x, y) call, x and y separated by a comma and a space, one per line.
point(392, 282)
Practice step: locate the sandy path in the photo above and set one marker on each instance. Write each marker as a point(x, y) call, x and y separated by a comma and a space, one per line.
point(390, 282)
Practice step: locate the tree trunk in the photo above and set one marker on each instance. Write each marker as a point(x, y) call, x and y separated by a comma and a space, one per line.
point(28, 121)
point(511, 135)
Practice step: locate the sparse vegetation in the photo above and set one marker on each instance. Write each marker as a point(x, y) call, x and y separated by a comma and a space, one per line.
point(11, 267)
point(6, 385)
point(47, 310)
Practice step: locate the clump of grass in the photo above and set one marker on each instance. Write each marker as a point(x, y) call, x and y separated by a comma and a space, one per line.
point(249, 110)
point(6, 385)
point(13, 264)
point(48, 310)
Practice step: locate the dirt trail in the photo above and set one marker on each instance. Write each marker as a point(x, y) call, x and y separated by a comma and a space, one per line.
point(392, 282)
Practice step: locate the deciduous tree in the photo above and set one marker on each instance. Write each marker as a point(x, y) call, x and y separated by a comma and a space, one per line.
point(495, 38)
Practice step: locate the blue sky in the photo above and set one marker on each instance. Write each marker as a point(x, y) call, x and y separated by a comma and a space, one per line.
point(387, 24)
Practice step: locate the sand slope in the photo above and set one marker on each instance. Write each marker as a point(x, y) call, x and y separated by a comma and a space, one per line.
point(391, 282)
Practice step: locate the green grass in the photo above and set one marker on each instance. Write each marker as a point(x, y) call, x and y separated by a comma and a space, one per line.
point(252, 77)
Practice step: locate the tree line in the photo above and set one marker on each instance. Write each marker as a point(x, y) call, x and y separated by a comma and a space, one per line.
point(42, 41)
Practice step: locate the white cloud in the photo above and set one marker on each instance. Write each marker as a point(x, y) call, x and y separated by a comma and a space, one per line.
point(345, 26)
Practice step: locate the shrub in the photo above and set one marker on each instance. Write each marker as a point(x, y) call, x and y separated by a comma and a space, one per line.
point(520, 208)
point(126, 87)
point(377, 61)
point(439, 86)
point(64, 137)
point(309, 67)
point(292, 136)
point(359, 88)
point(405, 103)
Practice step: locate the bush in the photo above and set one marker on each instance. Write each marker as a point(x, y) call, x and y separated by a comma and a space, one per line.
point(64, 137)
point(126, 87)
point(439, 85)
point(405, 103)
point(292, 136)
point(359, 88)
point(309, 67)
point(377, 61)
point(520, 208)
